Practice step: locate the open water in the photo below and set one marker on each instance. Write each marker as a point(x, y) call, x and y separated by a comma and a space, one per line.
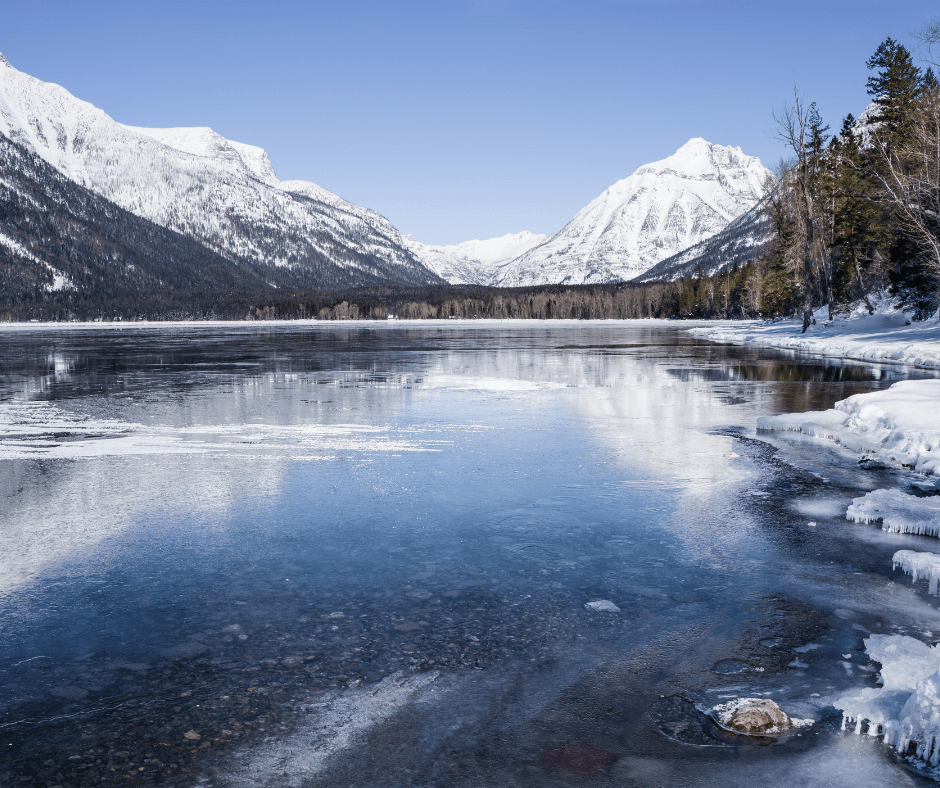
point(359, 555)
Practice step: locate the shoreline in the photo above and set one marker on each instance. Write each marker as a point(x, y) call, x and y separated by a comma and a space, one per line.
point(887, 337)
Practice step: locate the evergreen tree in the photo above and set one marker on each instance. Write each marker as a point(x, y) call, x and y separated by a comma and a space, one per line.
point(929, 81)
point(895, 87)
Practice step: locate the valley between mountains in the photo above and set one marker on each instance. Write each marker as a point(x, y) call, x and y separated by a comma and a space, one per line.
point(96, 211)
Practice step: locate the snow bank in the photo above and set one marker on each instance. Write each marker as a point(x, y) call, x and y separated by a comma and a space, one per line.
point(919, 565)
point(899, 512)
point(899, 426)
point(882, 337)
point(906, 709)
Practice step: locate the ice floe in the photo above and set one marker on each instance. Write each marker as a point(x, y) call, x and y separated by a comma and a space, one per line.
point(898, 511)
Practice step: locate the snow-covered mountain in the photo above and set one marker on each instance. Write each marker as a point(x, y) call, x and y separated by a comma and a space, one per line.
point(221, 193)
point(660, 210)
point(472, 262)
point(58, 238)
point(742, 240)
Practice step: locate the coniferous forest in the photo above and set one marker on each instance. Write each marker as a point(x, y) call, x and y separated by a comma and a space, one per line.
point(851, 212)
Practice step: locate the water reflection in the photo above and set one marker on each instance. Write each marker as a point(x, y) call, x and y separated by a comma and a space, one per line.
point(202, 526)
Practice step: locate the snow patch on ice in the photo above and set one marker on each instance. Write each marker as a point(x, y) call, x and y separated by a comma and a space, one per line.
point(40, 429)
point(602, 606)
point(338, 721)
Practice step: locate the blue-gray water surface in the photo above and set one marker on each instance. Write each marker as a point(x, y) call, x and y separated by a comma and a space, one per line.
point(360, 554)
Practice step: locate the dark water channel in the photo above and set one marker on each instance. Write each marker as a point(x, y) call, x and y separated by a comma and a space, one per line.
point(359, 555)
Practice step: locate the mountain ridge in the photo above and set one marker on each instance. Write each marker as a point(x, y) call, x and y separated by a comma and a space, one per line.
point(221, 193)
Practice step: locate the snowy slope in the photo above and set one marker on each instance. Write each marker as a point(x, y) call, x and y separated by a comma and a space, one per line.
point(740, 241)
point(660, 210)
point(221, 193)
point(59, 237)
point(472, 262)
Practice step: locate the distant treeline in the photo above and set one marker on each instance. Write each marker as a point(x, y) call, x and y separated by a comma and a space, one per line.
point(734, 294)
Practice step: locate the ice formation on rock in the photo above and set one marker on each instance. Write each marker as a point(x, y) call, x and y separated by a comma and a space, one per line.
point(899, 512)
point(906, 709)
point(919, 565)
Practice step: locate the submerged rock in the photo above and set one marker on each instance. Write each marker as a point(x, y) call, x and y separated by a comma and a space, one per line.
point(753, 715)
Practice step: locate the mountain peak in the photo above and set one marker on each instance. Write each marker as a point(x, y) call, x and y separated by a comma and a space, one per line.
point(663, 208)
point(4, 61)
point(699, 157)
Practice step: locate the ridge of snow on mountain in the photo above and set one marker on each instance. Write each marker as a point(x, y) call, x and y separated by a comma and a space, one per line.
point(661, 209)
point(221, 193)
point(472, 262)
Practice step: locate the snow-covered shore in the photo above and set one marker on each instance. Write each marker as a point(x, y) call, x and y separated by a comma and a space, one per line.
point(898, 427)
point(882, 337)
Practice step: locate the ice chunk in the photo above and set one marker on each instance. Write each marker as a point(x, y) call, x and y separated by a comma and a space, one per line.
point(919, 565)
point(899, 512)
point(904, 660)
point(906, 710)
point(880, 708)
point(602, 606)
point(920, 721)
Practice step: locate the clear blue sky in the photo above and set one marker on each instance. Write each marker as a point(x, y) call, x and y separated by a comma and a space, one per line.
point(460, 119)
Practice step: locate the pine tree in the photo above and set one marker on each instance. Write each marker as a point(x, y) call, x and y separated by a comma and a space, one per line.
point(895, 87)
point(858, 225)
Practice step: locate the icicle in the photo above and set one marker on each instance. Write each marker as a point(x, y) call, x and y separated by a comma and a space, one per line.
point(892, 732)
point(919, 565)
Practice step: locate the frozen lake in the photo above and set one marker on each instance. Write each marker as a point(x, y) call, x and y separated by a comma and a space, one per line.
point(359, 555)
